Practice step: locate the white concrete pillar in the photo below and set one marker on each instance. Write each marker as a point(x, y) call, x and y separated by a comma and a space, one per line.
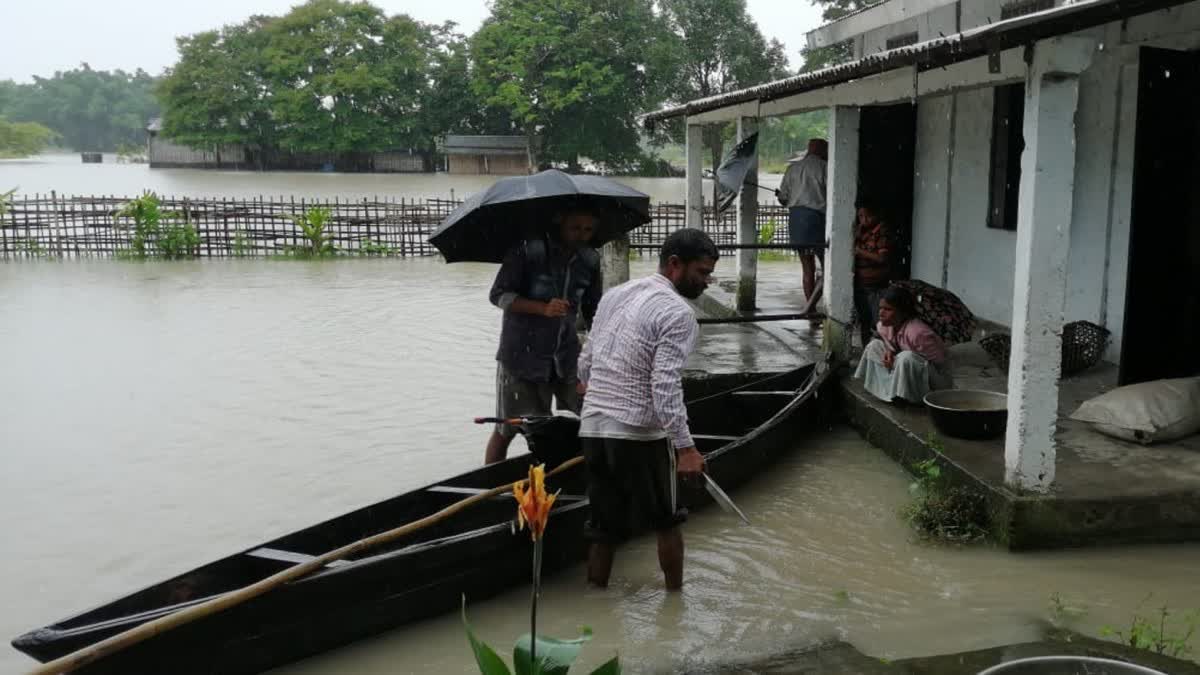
point(841, 192)
point(695, 176)
point(614, 263)
point(1043, 241)
point(747, 210)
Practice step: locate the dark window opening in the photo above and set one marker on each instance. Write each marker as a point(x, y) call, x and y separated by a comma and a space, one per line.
point(1008, 119)
point(902, 40)
point(1023, 7)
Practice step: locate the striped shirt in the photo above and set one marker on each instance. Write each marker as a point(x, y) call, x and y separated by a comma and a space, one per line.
point(633, 361)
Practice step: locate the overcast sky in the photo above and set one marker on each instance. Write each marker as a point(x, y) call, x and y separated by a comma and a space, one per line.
point(38, 37)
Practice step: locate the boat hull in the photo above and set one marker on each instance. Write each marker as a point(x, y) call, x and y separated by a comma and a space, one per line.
point(477, 558)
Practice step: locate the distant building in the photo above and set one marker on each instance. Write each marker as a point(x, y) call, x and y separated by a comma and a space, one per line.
point(164, 154)
point(487, 155)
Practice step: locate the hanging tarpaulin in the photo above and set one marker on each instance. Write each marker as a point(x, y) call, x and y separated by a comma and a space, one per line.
point(731, 175)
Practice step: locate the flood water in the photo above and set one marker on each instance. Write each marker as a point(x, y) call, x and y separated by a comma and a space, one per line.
point(156, 416)
point(67, 175)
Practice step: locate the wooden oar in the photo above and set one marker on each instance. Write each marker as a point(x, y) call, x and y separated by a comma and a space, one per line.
point(135, 635)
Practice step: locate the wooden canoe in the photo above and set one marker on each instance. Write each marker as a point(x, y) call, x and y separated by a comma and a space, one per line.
point(739, 429)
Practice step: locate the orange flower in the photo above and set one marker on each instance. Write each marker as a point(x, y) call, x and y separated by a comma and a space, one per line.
point(533, 504)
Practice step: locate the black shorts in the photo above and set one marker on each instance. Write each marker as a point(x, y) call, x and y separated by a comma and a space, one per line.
point(631, 487)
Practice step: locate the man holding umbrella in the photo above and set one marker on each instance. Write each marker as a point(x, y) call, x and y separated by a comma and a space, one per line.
point(544, 283)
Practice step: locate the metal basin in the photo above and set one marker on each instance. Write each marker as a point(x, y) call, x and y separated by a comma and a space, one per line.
point(1068, 665)
point(968, 413)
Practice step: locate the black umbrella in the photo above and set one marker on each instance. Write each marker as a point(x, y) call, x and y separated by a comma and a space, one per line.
point(491, 222)
point(731, 175)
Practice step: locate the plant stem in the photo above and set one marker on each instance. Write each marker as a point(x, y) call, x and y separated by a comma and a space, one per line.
point(537, 588)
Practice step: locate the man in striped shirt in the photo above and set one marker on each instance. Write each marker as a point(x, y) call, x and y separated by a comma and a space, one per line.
point(634, 424)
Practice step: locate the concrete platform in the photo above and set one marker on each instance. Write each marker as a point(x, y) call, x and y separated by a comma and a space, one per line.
point(1105, 491)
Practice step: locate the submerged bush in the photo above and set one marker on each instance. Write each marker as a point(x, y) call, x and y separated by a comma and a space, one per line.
point(943, 511)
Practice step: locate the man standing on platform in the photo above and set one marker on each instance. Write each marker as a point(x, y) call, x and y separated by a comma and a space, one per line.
point(634, 426)
point(803, 192)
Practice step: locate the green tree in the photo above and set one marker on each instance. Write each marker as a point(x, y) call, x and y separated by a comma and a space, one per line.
point(218, 92)
point(720, 49)
point(823, 57)
point(782, 137)
point(572, 73)
point(89, 109)
point(346, 77)
point(22, 139)
point(450, 104)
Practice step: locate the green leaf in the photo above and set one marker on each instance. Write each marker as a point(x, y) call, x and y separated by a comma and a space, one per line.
point(554, 656)
point(486, 658)
point(612, 667)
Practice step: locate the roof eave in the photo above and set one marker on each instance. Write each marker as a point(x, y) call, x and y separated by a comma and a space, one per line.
point(1015, 32)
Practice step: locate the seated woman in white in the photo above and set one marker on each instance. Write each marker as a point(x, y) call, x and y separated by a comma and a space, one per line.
point(907, 360)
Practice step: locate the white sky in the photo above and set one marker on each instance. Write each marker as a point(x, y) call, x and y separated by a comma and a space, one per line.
point(38, 37)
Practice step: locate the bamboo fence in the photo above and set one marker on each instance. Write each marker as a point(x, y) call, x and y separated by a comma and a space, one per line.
point(54, 226)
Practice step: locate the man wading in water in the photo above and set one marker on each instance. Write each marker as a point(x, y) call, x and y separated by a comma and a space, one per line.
point(634, 428)
point(542, 286)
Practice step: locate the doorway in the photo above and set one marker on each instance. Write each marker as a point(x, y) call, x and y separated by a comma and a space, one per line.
point(1162, 301)
point(886, 158)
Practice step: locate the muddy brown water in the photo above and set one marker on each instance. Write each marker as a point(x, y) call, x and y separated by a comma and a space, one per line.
point(156, 416)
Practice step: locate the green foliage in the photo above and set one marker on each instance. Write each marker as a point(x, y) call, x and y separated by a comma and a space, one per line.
point(22, 139)
point(6, 201)
point(572, 73)
point(554, 656)
point(943, 511)
point(90, 110)
point(130, 152)
point(715, 48)
point(171, 240)
point(314, 225)
point(1162, 633)
point(821, 57)
point(765, 236)
point(371, 248)
point(329, 76)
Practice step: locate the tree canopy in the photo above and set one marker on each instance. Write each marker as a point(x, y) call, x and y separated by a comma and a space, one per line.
point(22, 139)
point(573, 73)
point(91, 110)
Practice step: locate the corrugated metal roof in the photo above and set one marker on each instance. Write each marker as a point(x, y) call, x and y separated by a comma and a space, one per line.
point(934, 53)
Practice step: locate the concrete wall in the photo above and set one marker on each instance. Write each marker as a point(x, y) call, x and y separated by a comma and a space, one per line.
point(953, 165)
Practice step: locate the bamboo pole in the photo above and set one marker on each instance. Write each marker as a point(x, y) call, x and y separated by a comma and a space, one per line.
point(121, 641)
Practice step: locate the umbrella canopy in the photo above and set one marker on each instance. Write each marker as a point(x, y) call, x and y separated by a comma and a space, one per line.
point(485, 226)
point(732, 172)
point(942, 310)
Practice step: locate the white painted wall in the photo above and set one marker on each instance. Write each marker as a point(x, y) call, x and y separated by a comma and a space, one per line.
point(953, 164)
point(875, 41)
point(981, 260)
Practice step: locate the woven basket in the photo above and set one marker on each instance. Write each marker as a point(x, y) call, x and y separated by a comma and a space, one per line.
point(1083, 344)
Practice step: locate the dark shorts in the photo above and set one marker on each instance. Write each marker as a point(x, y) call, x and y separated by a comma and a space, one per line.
point(516, 397)
point(806, 228)
point(631, 486)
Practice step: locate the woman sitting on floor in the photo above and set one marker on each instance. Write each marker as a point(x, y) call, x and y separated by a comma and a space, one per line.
point(906, 360)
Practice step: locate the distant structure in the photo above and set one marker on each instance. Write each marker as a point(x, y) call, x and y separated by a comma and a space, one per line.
point(165, 154)
point(92, 157)
point(475, 155)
